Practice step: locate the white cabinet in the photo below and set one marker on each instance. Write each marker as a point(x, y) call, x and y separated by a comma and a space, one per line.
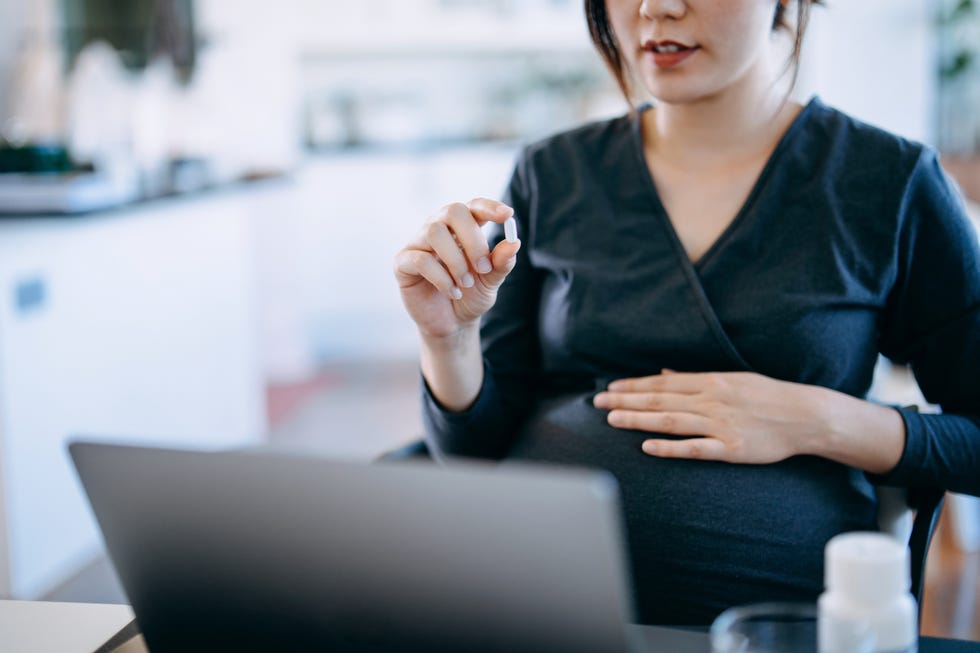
point(134, 325)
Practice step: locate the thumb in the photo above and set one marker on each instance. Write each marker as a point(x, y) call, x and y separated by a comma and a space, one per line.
point(503, 258)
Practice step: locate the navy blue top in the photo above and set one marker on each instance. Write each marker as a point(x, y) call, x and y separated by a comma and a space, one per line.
point(851, 243)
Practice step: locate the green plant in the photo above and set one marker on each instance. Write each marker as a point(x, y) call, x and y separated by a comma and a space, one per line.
point(963, 56)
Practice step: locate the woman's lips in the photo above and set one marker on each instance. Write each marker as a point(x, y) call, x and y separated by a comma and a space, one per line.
point(669, 54)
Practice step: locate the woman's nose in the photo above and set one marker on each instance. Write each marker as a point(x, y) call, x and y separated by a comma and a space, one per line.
point(662, 9)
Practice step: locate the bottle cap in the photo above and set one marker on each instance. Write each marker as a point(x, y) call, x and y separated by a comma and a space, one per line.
point(868, 567)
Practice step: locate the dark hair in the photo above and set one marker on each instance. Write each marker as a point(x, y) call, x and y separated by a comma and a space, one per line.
point(605, 41)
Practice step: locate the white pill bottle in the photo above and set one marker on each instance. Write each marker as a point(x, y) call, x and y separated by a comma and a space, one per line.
point(867, 581)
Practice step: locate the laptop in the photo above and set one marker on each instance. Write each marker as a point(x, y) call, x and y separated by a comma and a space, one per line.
point(273, 551)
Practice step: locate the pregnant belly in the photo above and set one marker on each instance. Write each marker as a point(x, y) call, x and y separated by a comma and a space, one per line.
point(702, 535)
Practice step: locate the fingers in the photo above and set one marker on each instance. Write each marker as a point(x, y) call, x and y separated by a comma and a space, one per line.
point(487, 210)
point(653, 401)
point(456, 243)
point(414, 264)
point(465, 227)
point(493, 266)
point(441, 240)
point(693, 448)
point(503, 258)
point(668, 381)
point(673, 423)
point(670, 413)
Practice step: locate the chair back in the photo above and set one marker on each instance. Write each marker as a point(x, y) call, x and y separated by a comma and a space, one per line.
point(928, 505)
point(911, 516)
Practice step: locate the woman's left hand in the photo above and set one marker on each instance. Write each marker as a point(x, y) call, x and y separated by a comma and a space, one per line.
point(738, 417)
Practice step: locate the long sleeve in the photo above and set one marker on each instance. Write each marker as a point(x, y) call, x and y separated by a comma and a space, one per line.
point(933, 324)
point(511, 354)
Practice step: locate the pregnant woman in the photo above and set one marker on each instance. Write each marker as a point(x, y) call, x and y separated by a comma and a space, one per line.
point(697, 301)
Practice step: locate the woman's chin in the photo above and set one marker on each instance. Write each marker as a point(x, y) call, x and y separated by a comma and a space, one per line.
point(674, 91)
point(679, 97)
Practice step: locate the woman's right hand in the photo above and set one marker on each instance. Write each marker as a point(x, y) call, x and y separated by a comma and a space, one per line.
point(448, 276)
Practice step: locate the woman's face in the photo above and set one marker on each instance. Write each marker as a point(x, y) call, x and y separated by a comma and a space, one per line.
point(686, 50)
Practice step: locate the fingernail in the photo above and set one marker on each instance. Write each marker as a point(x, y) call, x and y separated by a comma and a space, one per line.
point(650, 446)
point(615, 385)
point(484, 265)
point(615, 418)
point(467, 280)
point(504, 210)
point(599, 401)
point(456, 293)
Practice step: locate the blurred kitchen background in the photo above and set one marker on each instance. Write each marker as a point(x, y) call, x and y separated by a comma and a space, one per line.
point(201, 200)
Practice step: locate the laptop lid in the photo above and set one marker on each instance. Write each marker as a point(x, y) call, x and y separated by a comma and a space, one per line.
point(251, 551)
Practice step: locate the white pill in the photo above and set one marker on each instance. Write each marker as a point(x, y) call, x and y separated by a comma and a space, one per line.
point(510, 230)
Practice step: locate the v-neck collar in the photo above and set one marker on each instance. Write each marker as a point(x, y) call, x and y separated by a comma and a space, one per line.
point(760, 183)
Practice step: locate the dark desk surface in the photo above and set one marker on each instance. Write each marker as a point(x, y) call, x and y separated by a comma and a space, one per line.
point(36, 625)
point(657, 639)
point(673, 640)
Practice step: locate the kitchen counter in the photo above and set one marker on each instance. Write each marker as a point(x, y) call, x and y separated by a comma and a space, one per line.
point(136, 323)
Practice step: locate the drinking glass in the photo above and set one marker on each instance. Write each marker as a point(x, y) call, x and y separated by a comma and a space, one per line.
point(779, 628)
